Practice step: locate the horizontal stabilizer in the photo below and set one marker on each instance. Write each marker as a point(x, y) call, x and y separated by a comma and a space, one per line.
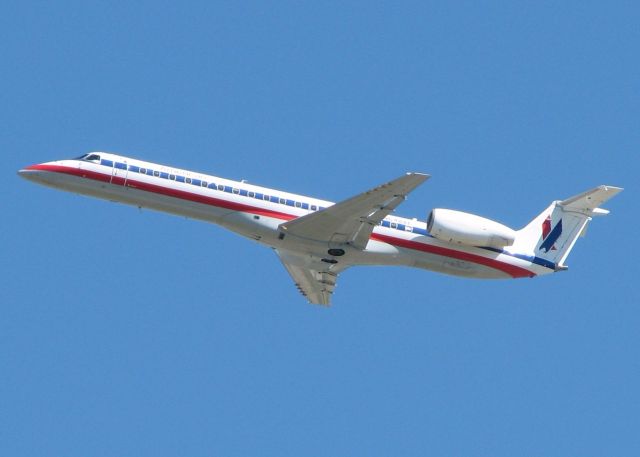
point(588, 202)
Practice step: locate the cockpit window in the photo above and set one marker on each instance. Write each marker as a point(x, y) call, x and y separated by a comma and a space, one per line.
point(91, 157)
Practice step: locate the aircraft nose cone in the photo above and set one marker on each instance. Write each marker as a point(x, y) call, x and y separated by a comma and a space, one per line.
point(33, 173)
point(24, 172)
point(28, 172)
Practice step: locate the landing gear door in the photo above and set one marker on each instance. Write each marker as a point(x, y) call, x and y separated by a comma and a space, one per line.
point(119, 173)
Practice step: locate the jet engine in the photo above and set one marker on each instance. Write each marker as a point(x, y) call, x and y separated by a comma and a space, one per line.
point(468, 229)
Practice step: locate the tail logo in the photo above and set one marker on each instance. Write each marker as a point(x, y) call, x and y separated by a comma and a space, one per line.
point(549, 236)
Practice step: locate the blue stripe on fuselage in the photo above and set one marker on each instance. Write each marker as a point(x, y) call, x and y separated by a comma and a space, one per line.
point(533, 259)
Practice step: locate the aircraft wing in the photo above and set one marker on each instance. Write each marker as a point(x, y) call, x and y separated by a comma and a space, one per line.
point(352, 221)
point(314, 279)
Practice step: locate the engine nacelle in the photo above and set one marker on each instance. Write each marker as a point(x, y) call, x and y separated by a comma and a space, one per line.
point(468, 229)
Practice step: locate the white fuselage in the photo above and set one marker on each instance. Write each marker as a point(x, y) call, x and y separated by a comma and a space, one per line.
point(256, 212)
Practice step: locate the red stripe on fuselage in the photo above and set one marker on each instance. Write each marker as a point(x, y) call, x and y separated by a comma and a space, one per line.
point(71, 171)
point(512, 270)
point(162, 190)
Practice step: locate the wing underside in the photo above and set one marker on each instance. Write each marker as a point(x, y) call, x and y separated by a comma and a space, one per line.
point(348, 223)
point(314, 279)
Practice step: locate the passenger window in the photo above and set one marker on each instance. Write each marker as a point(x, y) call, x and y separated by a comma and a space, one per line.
point(204, 184)
point(188, 180)
point(394, 225)
point(236, 191)
point(220, 187)
point(265, 197)
point(314, 207)
point(156, 173)
point(172, 177)
point(282, 201)
point(143, 171)
point(298, 205)
point(252, 194)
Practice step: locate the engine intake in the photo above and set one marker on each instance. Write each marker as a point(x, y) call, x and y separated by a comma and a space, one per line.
point(468, 229)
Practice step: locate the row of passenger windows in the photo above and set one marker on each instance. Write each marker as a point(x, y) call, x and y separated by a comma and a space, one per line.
point(234, 190)
point(213, 186)
point(403, 227)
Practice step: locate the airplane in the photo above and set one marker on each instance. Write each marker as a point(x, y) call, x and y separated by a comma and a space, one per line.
point(316, 239)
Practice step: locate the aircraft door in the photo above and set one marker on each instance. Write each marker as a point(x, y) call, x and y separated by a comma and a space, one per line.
point(119, 173)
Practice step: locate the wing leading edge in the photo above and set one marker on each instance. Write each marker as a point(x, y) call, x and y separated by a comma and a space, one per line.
point(352, 221)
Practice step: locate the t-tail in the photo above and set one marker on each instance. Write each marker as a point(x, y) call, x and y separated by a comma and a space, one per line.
point(553, 233)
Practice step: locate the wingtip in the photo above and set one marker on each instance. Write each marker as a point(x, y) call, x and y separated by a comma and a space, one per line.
point(417, 173)
point(615, 189)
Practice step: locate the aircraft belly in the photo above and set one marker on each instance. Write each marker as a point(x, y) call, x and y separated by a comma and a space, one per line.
point(382, 253)
point(456, 267)
point(259, 228)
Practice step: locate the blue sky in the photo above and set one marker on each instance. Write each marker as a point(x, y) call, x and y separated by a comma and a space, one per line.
point(128, 332)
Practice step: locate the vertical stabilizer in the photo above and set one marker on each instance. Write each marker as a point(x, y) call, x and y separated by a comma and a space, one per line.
point(552, 234)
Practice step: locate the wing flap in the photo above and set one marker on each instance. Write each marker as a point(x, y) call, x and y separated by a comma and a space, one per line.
point(315, 280)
